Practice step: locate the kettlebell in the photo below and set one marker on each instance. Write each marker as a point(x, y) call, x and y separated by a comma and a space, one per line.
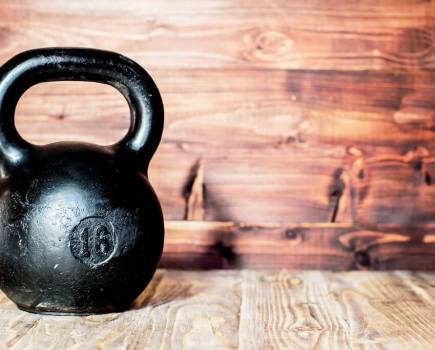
point(81, 229)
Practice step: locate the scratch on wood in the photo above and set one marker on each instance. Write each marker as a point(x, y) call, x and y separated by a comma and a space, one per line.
point(365, 239)
point(414, 157)
point(27, 325)
point(193, 193)
point(428, 238)
point(335, 193)
point(427, 178)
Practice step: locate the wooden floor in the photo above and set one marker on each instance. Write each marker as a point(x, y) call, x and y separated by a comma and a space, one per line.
point(248, 310)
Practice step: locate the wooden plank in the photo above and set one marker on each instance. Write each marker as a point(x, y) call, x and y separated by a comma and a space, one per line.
point(232, 33)
point(223, 245)
point(247, 310)
point(174, 312)
point(314, 310)
point(294, 183)
point(344, 147)
point(249, 108)
point(234, 180)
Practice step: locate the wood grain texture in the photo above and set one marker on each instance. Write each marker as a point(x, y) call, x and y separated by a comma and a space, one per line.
point(228, 245)
point(232, 33)
point(278, 113)
point(355, 310)
point(306, 148)
point(247, 310)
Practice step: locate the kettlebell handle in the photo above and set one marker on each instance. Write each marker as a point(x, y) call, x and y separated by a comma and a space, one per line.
point(79, 64)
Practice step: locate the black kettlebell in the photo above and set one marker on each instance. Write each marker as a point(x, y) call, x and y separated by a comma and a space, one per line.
point(81, 229)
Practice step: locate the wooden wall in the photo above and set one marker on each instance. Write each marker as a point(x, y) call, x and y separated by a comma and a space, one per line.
point(298, 134)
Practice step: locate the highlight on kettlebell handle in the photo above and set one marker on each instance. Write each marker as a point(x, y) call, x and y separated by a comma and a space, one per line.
point(79, 64)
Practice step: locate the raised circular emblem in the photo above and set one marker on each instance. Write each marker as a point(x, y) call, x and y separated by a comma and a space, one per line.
point(93, 241)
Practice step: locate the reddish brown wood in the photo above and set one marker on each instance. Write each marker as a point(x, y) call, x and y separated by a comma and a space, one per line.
point(248, 108)
point(215, 245)
point(281, 34)
point(325, 146)
point(276, 112)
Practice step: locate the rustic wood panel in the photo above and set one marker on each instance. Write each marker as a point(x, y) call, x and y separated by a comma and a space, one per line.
point(293, 183)
point(232, 33)
point(248, 108)
point(247, 310)
point(223, 245)
point(329, 146)
point(277, 113)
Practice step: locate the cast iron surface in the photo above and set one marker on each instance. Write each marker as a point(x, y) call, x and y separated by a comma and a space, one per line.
point(81, 229)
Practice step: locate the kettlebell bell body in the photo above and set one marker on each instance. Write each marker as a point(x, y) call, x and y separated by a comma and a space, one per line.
point(81, 229)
